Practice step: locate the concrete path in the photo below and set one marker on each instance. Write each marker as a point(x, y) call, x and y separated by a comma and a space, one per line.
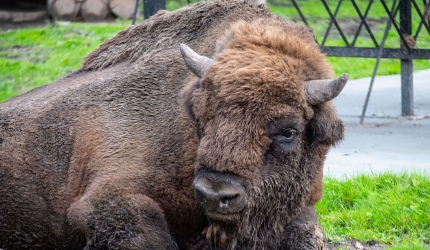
point(387, 141)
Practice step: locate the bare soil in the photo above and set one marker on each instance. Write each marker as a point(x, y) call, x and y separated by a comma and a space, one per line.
point(352, 244)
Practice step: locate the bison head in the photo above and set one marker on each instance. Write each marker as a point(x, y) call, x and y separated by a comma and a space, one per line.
point(264, 123)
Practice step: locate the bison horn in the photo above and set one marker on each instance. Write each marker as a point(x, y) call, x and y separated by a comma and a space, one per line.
point(195, 62)
point(321, 91)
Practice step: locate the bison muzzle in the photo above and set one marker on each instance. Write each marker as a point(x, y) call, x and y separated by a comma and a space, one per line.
point(220, 195)
point(201, 128)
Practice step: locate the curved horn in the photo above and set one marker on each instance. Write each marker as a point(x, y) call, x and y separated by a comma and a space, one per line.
point(321, 91)
point(195, 62)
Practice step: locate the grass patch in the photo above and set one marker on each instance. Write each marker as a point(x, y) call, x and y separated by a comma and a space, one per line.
point(393, 209)
point(32, 57)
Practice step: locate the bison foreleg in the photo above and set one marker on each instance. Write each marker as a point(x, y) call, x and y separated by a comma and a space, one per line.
point(128, 222)
point(304, 232)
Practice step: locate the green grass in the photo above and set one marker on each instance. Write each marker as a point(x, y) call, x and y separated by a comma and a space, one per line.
point(393, 209)
point(32, 57)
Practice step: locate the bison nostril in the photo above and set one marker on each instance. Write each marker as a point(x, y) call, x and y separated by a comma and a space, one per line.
point(226, 200)
point(224, 197)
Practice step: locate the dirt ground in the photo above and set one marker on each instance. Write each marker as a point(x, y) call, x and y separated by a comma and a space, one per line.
point(352, 244)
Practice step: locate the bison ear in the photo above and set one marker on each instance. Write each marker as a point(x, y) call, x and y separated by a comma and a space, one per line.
point(186, 97)
point(325, 126)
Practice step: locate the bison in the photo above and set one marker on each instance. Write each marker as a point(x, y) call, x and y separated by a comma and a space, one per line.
point(154, 145)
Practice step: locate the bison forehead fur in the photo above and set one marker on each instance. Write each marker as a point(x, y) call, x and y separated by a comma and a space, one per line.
point(106, 157)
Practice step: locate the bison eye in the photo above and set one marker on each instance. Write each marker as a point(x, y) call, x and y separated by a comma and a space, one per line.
point(283, 134)
point(287, 136)
point(283, 142)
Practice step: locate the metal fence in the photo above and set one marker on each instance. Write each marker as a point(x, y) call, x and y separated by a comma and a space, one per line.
point(407, 51)
point(399, 16)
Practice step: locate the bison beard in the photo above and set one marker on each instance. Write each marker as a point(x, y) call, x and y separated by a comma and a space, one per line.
point(273, 202)
point(259, 227)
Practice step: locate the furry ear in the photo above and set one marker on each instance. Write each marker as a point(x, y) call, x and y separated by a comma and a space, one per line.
point(325, 126)
point(187, 95)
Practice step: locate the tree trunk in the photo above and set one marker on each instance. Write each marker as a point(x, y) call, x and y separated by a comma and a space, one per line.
point(95, 10)
point(122, 8)
point(22, 16)
point(64, 9)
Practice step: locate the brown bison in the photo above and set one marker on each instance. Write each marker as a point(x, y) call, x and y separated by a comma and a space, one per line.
point(135, 151)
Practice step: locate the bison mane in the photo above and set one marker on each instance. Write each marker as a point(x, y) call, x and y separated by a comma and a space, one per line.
point(165, 29)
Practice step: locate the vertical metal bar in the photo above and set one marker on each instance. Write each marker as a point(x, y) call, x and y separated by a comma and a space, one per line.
point(363, 22)
point(407, 87)
point(335, 23)
point(331, 23)
point(150, 7)
point(375, 69)
point(136, 7)
point(406, 66)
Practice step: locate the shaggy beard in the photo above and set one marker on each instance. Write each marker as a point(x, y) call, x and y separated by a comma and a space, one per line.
point(271, 206)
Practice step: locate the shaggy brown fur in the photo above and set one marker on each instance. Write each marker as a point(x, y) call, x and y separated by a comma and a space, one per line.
point(106, 157)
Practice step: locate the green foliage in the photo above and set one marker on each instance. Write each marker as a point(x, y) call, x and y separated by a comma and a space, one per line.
point(391, 208)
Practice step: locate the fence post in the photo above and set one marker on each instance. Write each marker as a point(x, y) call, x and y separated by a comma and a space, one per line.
point(406, 67)
point(150, 7)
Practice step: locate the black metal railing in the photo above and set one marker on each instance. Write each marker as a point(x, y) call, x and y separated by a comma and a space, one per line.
point(406, 52)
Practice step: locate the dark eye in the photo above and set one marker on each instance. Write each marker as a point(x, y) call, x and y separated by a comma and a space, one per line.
point(290, 134)
point(287, 136)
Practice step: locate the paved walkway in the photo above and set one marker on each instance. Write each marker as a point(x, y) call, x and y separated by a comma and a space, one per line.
point(387, 141)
